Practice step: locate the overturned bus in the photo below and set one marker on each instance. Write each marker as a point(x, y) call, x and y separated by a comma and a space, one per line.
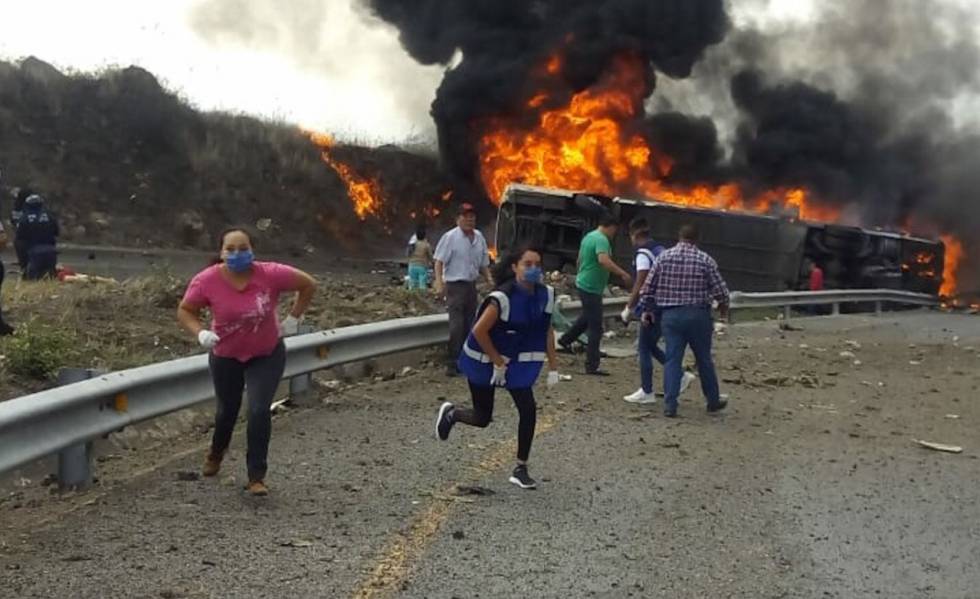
point(754, 252)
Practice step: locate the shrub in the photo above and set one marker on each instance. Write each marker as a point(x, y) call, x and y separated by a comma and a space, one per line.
point(38, 351)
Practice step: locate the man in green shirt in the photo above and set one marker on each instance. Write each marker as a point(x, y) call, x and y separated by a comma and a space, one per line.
point(595, 263)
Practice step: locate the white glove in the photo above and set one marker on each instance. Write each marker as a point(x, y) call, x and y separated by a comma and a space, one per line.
point(207, 339)
point(720, 327)
point(499, 376)
point(290, 326)
point(553, 378)
point(625, 315)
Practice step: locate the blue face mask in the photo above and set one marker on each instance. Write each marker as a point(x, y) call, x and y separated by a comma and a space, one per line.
point(533, 275)
point(240, 261)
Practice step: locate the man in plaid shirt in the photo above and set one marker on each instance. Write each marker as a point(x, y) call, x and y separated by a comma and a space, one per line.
point(681, 287)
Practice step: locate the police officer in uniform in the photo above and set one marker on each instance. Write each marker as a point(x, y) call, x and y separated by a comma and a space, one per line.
point(508, 346)
point(16, 214)
point(38, 233)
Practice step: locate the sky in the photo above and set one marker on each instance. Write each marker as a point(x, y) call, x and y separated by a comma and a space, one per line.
point(346, 74)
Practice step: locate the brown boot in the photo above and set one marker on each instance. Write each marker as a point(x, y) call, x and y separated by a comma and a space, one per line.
point(257, 488)
point(212, 463)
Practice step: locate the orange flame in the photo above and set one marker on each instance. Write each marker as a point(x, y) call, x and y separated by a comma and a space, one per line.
point(582, 144)
point(951, 266)
point(364, 192)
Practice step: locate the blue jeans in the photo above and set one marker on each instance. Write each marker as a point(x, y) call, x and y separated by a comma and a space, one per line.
point(418, 276)
point(648, 352)
point(683, 326)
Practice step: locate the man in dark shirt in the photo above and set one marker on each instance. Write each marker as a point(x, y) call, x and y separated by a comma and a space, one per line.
point(38, 233)
point(681, 285)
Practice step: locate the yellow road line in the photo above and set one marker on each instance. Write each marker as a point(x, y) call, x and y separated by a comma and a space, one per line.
point(400, 554)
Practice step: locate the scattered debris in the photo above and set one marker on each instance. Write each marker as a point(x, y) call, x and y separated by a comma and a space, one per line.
point(914, 362)
point(939, 446)
point(461, 490)
point(952, 416)
point(263, 224)
point(847, 354)
point(297, 543)
point(459, 535)
point(852, 344)
point(787, 326)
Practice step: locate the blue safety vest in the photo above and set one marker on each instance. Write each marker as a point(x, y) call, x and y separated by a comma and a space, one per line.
point(521, 334)
point(652, 251)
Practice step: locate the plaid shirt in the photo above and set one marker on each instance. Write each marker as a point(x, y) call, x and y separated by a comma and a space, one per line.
point(683, 276)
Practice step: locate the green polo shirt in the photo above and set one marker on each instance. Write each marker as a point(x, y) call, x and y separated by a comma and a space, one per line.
point(592, 277)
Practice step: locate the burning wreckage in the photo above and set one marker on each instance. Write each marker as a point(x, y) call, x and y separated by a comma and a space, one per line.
point(754, 252)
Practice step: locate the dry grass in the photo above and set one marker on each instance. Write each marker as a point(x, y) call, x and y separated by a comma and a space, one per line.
point(133, 323)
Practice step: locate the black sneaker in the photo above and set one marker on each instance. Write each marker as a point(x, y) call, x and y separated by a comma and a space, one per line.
point(444, 421)
point(718, 406)
point(597, 372)
point(521, 478)
point(565, 349)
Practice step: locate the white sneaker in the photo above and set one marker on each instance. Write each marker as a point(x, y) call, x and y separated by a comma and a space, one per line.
point(641, 397)
point(686, 381)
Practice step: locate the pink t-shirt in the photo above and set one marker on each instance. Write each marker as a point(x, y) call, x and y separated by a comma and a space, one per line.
point(245, 320)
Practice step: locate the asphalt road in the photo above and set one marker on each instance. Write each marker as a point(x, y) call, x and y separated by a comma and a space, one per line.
point(810, 485)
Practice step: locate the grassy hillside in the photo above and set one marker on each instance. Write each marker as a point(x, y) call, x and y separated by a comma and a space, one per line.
point(125, 162)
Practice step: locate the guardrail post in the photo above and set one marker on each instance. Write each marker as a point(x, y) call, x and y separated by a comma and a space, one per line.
point(878, 308)
point(787, 313)
point(835, 309)
point(75, 462)
point(300, 385)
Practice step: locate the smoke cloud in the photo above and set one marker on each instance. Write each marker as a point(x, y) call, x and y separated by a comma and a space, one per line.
point(336, 40)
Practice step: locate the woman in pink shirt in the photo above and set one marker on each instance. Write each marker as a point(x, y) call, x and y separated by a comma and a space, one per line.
point(245, 342)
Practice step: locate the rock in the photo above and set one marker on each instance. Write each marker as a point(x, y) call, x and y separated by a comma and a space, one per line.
point(100, 219)
point(406, 371)
point(459, 535)
point(263, 224)
point(847, 354)
point(852, 344)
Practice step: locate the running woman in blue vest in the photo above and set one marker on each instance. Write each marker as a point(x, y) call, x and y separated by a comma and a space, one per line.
point(508, 346)
point(647, 251)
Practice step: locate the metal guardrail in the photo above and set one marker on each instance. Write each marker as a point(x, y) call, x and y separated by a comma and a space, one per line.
point(832, 297)
point(66, 419)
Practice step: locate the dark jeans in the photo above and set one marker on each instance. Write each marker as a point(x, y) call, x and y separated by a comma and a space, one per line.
point(590, 319)
point(461, 300)
point(482, 414)
point(648, 351)
point(42, 262)
point(262, 375)
point(683, 326)
point(20, 247)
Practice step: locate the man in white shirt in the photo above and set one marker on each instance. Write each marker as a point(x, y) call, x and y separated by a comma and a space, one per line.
point(461, 257)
